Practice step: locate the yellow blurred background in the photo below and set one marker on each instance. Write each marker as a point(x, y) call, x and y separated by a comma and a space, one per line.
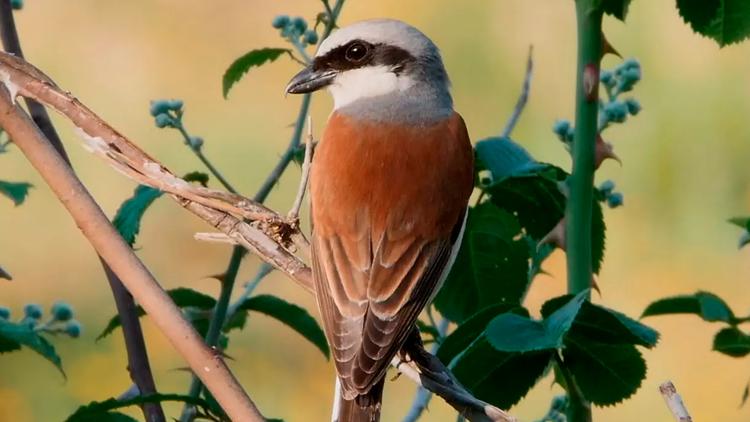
point(684, 173)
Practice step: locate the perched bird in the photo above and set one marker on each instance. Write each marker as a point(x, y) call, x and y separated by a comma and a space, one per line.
point(389, 187)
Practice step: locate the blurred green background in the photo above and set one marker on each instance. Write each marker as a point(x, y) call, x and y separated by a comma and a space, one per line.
point(684, 174)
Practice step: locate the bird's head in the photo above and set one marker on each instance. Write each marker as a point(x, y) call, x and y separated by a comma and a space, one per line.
point(374, 58)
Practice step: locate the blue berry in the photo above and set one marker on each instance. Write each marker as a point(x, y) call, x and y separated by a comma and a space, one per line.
point(311, 37)
point(175, 105)
point(195, 142)
point(62, 311)
point(615, 199)
point(280, 21)
point(73, 328)
point(4, 312)
point(159, 107)
point(33, 311)
point(607, 78)
point(561, 128)
point(616, 111)
point(163, 120)
point(634, 107)
point(607, 186)
point(299, 24)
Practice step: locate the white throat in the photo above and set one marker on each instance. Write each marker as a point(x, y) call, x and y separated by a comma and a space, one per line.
point(367, 82)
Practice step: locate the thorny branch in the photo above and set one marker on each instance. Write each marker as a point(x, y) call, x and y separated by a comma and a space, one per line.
point(261, 230)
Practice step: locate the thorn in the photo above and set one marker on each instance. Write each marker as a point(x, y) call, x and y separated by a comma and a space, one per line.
point(604, 150)
point(591, 82)
point(607, 47)
point(4, 274)
point(556, 236)
point(595, 285)
point(221, 276)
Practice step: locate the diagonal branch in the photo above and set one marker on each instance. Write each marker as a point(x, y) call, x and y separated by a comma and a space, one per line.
point(138, 364)
point(113, 249)
point(265, 233)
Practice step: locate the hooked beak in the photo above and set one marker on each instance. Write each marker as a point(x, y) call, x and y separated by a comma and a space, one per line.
point(309, 80)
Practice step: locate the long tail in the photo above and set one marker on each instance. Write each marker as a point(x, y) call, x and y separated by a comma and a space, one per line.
point(363, 408)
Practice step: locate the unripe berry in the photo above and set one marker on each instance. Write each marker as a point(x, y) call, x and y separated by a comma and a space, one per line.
point(616, 111)
point(33, 311)
point(634, 107)
point(159, 107)
point(163, 120)
point(175, 105)
point(299, 24)
point(615, 199)
point(73, 328)
point(280, 21)
point(311, 37)
point(607, 186)
point(4, 312)
point(561, 128)
point(196, 142)
point(61, 311)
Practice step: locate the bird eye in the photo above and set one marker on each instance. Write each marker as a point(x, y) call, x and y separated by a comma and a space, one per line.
point(356, 52)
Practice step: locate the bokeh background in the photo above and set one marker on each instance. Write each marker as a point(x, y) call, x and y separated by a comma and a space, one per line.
point(684, 173)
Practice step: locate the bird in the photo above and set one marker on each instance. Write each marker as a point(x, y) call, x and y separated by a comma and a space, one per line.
point(389, 186)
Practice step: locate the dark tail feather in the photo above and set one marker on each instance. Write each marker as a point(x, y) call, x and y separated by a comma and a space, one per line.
point(363, 408)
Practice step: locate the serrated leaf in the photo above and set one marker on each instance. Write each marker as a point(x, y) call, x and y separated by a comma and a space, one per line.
point(513, 333)
point(127, 220)
point(725, 21)
point(497, 377)
point(465, 334)
point(295, 317)
point(492, 265)
point(182, 297)
point(15, 191)
point(98, 411)
point(535, 199)
point(732, 342)
point(605, 325)
point(24, 335)
point(616, 8)
point(605, 374)
point(504, 158)
point(704, 304)
point(242, 65)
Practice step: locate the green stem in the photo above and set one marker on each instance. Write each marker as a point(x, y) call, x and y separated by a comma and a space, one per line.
point(199, 153)
point(581, 181)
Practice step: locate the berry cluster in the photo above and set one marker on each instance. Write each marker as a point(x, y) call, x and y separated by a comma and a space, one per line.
point(61, 319)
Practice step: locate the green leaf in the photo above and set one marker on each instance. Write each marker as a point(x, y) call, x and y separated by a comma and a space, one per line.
point(127, 220)
point(706, 305)
point(605, 374)
point(465, 334)
point(741, 222)
point(725, 21)
point(15, 191)
point(12, 334)
point(513, 333)
point(733, 342)
point(504, 158)
point(292, 315)
point(497, 377)
point(182, 297)
point(101, 411)
point(492, 265)
point(616, 8)
point(254, 58)
point(605, 325)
